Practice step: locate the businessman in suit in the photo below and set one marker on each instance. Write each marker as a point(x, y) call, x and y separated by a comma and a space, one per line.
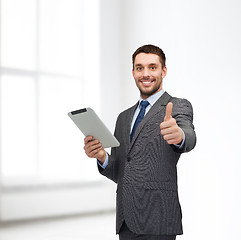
point(152, 134)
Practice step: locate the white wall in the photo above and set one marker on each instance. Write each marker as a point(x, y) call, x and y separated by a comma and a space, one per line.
point(110, 61)
point(201, 40)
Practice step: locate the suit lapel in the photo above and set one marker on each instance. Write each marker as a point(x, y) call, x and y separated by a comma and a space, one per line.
point(129, 117)
point(162, 101)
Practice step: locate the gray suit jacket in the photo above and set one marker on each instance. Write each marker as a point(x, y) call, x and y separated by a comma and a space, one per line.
point(145, 169)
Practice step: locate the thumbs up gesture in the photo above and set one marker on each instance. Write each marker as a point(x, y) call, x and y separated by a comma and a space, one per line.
point(169, 128)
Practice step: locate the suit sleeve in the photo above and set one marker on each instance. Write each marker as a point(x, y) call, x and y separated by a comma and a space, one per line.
point(111, 170)
point(183, 113)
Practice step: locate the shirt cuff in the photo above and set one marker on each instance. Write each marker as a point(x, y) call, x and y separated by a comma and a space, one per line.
point(104, 165)
point(179, 146)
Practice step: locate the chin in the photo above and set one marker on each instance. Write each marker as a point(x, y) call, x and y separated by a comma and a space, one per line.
point(148, 93)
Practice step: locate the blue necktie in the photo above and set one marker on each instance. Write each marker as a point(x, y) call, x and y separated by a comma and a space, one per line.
point(140, 116)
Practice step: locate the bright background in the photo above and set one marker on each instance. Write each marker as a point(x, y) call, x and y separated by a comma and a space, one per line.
point(58, 56)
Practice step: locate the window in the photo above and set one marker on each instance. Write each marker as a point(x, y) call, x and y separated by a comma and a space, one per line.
point(49, 63)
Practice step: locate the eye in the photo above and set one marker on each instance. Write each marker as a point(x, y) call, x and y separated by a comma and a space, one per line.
point(153, 68)
point(139, 68)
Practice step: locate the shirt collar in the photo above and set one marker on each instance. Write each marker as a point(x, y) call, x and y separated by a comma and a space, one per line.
point(153, 98)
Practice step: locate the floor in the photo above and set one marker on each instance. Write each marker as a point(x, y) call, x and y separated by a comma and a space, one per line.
point(94, 227)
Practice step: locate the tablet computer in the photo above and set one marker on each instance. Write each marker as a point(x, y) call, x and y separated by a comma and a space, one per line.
point(91, 125)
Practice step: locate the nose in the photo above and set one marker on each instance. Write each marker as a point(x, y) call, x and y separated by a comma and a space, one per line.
point(146, 73)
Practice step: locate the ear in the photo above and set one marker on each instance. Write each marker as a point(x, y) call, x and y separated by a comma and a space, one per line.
point(133, 72)
point(164, 72)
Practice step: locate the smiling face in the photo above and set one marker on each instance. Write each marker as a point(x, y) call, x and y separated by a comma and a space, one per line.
point(148, 74)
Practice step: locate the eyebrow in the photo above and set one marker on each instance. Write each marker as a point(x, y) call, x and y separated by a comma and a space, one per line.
point(139, 64)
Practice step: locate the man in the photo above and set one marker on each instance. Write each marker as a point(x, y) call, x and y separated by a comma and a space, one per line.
point(152, 135)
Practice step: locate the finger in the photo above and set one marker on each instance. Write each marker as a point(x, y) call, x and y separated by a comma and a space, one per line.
point(171, 136)
point(95, 151)
point(168, 124)
point(166, 131)
point(168, 115)
point(87, 139)
point(174, 137)
point(92, 150)
point(92, 145)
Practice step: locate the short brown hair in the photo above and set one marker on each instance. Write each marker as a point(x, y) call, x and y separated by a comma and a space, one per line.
point(150, 49)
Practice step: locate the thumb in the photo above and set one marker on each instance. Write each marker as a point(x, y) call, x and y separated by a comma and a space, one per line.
point(168, 111)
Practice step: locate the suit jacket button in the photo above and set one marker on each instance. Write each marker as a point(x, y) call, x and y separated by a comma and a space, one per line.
point(128, 158)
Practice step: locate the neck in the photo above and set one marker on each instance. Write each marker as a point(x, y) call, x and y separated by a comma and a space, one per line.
point(145, 96)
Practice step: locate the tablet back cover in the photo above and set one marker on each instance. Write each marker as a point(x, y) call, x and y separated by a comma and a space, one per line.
point(91, 125)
